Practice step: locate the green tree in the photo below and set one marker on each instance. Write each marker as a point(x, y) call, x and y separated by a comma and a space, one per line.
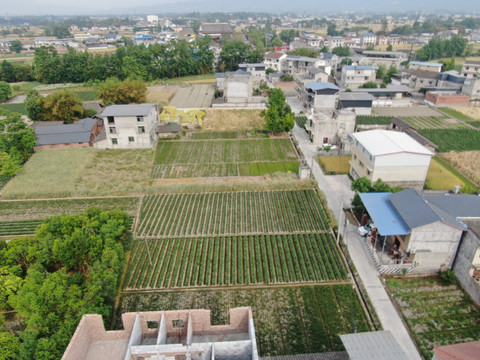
point(269, 71)
point(391, 71)
point(369, 85)
point(277, 42)
point(278, 116)
point(304, 52)
point(47, 65)
point(390, 47)
point(5, 91)
point(63, 106)
point(16, 46)
point(381, 71)
point(16, 137)
point(341, 51)
point(114, 91)
point(9, 346)
point(233, 54)
point(34, 105)
point(7, 72)
point(346, 61)
point(450, 65)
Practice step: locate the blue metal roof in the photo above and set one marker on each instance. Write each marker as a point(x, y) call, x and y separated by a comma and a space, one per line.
point(383, 214)
point(321, 85)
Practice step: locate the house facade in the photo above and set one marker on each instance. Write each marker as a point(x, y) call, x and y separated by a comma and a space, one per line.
point(273, 60)
point(329, 127)
point(257, 71)
point(392, 156)
point(129, 126)
point(471, 69)
point(318, 95)
point(354, 76)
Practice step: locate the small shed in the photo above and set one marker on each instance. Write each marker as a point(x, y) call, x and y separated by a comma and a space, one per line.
point(374, 345)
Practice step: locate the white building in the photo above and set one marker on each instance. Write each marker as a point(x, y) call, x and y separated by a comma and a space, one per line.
point(392, 156)
point(274, 60)
point(257, 71)
point(354, 76)
point(368, 39)
point(152, 19)
point(129, 126)
point(330, 127)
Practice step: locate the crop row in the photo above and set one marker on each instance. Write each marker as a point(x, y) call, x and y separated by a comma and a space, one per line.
point(374, 120)
point(453, 139)
point(222, 170)
point(214, 135)
point(234, 260)
point(431, 122)
point(231, 213)
point(25, 227)
point(223, 151)
point(301, 121)
point(288, 320)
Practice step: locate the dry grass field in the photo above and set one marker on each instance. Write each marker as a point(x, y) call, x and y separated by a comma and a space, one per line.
point(467, 162)
point(470, 111)
point(232, 120)
point(335, 164)
point(161, 94)
point(440, 177)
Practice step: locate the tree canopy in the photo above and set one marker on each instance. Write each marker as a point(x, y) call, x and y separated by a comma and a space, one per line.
point(114, 91)
point(437, 48)
point(63, 106)
point(5, 91)
point(237, 52)
point(71, 267)
point(278, 116)
point(341, 51)
point(16, 46)
point(304, 52)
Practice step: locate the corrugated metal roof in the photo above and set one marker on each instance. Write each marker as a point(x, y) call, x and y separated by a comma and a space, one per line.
point(426, 64)
point(78, 132)
point(457, 205)
point(375, 345)
point(384, 142)
point(128, 110)
point(386, 218)
point(350, 96)
point(321, 85)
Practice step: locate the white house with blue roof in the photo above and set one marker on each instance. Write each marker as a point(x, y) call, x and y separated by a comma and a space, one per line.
point(422, 229)
point(319, 95)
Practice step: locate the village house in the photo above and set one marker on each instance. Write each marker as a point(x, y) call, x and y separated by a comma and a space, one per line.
point(257, 71)
point(273, 60)
point(129, 126)
point(217, 31)
point(359, 103)
point(471, 69)
point(235, 87)
point(294, 64)
point(183, 334)
point(330, 127)
point(318, 95)
point(392, 156)
point(368, 39)
point(386, 58)
point(425, 66)
point(354, 76)
point(424, 230)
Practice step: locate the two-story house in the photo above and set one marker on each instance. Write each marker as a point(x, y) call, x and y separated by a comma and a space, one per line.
point(353, 76)
point(471, 69)
point(273, 60)
point(257, 71)
point(129, 126)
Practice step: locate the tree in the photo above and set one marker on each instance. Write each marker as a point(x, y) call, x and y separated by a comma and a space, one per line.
point(47, 65)
point(34, 105)
point(346, 61)
point(391, 70)
point(234, 53)
point(269, 71)
point(304, 52)
point(286, 77)
point(5, 91)
point(278, 116)
point(16, 138)
point(390, 47)
point(381, 71)
point(341, 51)
point(16, 46)
point(369, 85)
point(114, 91)
point(277, 42)
point(447, 66)
point(63, 106)
point(9, 346)
point(7, 72)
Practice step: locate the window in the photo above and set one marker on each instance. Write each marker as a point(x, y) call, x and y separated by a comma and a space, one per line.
point(131, 139)
point(361, 164)
point(368, 172)
point(111, 120)
point(141, 129)
point(112, 130)
point(114, 141)
point(139, 118)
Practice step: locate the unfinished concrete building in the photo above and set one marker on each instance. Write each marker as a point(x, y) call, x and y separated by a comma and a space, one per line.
point(182, 334)
point(331, 127)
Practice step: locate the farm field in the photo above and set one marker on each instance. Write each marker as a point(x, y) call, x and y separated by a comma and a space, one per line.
point(467, 162)
point(22, 227)
point(436, 314)
point(412, 111)
point(470, 113)
point(209, 158)
point(373, 120)
point(453, 139)
point(231, 213)
point(431, 122)
point(334, 164)
point(440, 176)
point(209, 135)
point(40, 209)
point(289, 320)
point(301, 121)
point(224, 151)
point(223, 170)
point(232, 120)
point(15, 107)
point(234, 260)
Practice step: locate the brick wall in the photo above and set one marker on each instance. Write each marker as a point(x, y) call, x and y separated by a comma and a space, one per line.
point(441, 100)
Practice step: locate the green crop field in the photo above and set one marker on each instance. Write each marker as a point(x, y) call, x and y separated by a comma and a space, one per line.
point(18, 108)
point(301, 121)
point(215, 135)
point(40, 209)
point(453, 139)
point(234, 260)
point(432, 122)
point(22, 227)
point(231, 213)
point(186, 159)
point(374, 120)
point(290, 320)
point(436, 314)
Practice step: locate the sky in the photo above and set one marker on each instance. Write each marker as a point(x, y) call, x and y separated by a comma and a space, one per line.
point(116, 7)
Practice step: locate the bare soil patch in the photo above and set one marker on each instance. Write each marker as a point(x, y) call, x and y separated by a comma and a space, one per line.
point(232, 120)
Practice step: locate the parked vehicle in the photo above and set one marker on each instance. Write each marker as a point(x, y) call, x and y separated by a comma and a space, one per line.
point(366, 229)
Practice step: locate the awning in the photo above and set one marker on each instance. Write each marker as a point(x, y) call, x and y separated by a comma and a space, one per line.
point(385, 217)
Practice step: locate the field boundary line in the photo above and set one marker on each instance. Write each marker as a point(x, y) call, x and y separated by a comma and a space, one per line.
point(237, 287)
point(75, 198)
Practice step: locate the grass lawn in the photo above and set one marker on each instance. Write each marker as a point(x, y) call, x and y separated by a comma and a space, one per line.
point(334, 164)
point(49, 173)
point(232, 120)
point(18, 108)
point(436, 314)
point(87, 95)
point(440, 176)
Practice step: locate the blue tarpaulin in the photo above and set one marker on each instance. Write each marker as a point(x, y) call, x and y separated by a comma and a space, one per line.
point(385, 217)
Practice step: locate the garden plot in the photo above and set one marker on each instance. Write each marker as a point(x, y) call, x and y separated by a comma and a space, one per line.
point(231, 213)
point(453, 139)
point(432, 122)
point(295, 320)
point(234, 260)
point(436, 314)
point(212, 158)
point(406, 111)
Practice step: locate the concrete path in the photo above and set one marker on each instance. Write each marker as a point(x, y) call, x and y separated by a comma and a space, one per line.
point(385, 310)
point(337, 189)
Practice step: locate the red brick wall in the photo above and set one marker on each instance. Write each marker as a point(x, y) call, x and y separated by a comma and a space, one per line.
point(440, 100)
